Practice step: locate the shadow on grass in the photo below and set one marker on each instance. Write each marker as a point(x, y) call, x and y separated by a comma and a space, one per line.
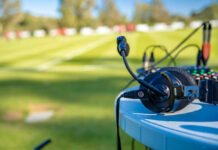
point(4, 64)
point(106, 60)
point(91, 91)
point(71, 133)
point(179, 61)
point(67, 131)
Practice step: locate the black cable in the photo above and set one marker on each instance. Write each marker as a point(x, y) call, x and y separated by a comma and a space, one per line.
point(161, 47)
point(187, 46)
point(204, 32)
point(133, 144)
point(43, 144)
point(128, 84)
point(182, 49)
point(117, 121)
point(143, 83)
point(167, 53)
point(147, 148)
point(131, 81)
point(209, 33)
point(172, 51)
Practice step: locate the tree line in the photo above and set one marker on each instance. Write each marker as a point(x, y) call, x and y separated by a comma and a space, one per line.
point(78, 14)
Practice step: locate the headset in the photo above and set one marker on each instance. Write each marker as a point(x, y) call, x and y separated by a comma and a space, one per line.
point(168, 89)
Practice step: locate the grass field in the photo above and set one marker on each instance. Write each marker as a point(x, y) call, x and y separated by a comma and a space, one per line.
point(78, 77)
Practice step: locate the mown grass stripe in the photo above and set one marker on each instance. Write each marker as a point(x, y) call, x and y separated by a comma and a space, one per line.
point(39, 52)
point(58, 54)
point(73, 54)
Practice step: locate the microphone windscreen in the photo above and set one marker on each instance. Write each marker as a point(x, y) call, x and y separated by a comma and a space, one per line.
point(122, 45)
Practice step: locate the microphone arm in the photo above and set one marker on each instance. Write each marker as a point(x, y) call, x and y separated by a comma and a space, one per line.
point(142, 82)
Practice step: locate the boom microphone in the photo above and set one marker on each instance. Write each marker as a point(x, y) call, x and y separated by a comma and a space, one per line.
point(123, 49)
point(168, 89)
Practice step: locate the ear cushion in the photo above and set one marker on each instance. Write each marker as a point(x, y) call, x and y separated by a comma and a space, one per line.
point(181, 74)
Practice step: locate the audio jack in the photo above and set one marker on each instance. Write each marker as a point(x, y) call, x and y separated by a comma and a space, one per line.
point(145, 62)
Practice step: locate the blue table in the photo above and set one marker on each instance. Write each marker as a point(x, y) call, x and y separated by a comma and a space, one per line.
point(194, 127)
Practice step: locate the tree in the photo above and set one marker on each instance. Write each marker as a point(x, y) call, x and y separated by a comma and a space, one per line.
point(206, 14)
point(76, 13)
point(10, 13)
point(1, 28)
point(158, 12)
point(155, 12)
point(110, 15)
point(141, 14)
point(184, 19)
point(30, 22)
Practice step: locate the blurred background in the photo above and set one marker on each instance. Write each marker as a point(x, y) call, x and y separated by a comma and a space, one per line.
point(60, 71)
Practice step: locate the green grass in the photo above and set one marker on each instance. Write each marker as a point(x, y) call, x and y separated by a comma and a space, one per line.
point(81, 90)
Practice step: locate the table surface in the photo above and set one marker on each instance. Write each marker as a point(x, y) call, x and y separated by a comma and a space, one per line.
point(194, 127)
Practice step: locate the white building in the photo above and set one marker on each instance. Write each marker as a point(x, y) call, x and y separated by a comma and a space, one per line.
point(39, 33)
point(69, 31)
point(142, 28)
point(214, 23)
point(87, 31)
point(103, 30)
point(160, 27)
point(10, 35)
point(119, 28)
point(177, 25)
point(24, 34)
point(54, 32)
point(196, 24)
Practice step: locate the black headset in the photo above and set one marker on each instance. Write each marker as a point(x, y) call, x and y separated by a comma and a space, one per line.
point(168, 89)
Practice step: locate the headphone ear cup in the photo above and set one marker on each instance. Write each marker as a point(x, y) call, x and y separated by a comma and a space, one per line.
point(181, 74)
point(182, 77)
point(186, 80)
